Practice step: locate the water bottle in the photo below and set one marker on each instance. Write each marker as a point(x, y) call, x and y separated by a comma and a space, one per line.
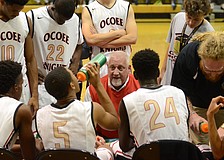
point(82, 75)
point(203, 127)
point(203, 135)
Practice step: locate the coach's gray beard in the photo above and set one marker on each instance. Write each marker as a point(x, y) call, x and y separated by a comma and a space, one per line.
point(116, 82)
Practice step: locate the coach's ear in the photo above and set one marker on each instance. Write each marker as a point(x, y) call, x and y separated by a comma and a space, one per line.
point(135, 75)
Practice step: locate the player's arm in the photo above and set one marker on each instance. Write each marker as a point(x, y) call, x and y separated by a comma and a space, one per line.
point(105, 115)
point(104, 118)
point(131, 32)
point(92, 37)
point(23, 122)
point(217, 144)
point(32, 71)
point(94, 79)
point(125, 140)
point(74, 65)
point(163, 68)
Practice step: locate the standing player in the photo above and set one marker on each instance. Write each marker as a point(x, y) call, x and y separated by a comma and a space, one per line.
point(109, 25)
point(16, 45)
point(57, 39)
point(183, 26)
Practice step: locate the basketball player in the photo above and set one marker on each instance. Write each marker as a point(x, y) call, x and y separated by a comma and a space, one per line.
point(16, 45)
point(183, 26)
point(15, 117)
point(152, 112)
point(71, 123)
point(57, 39)
point(109, 25)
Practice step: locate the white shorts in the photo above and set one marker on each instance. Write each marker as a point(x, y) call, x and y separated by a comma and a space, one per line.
point(26, 94)
point(117, 150)
point(44, 97)
point(104, 154)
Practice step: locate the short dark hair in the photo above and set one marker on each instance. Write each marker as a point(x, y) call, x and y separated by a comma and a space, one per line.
point(57, 82)
point(146, 64)
point(9, 73)
point(19, 2)
point(66, 8)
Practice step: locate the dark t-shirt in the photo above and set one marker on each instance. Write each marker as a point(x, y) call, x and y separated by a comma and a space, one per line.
point(187, 76)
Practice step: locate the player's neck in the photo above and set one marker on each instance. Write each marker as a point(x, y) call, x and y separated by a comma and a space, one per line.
point(66, 100)
point(50, 12)
point(7, 95)
point(150, 84)
point(2, 16)
point(107, 3)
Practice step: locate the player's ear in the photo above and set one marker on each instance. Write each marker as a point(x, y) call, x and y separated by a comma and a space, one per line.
point(74, 87)
point(53, 8)
point(16, 87)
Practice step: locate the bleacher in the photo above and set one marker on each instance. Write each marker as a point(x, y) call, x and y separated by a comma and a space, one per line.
point(149, 11)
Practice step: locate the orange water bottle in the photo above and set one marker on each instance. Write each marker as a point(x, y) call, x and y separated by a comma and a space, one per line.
point(203, 127)
point(203, 135)
point(82, 75)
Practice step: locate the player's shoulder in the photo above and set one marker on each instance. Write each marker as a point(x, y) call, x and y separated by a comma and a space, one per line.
point(123, 2)
point(39, 12)
point(74, 17)
point(173, 89)
point(179, 15)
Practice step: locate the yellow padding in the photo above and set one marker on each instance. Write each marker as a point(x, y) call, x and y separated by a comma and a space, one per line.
point(164, 8)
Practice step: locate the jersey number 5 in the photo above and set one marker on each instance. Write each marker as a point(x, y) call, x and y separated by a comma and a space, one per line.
point(58, 134)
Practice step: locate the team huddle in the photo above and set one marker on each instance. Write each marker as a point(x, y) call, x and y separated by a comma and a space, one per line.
point(128, 102)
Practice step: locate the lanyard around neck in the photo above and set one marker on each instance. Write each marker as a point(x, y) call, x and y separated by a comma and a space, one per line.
point(184, 43)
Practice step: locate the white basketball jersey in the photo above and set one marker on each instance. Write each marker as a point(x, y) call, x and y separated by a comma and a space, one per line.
point(107, 19)
point(54, 44)
point(69, 127)
point(12, 39)
point(8, 135)
point(157, 114)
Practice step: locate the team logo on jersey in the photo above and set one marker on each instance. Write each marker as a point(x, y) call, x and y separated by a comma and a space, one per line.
point(123, 48)
point(111, 21)
point(51, 66)
point(10, 36)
